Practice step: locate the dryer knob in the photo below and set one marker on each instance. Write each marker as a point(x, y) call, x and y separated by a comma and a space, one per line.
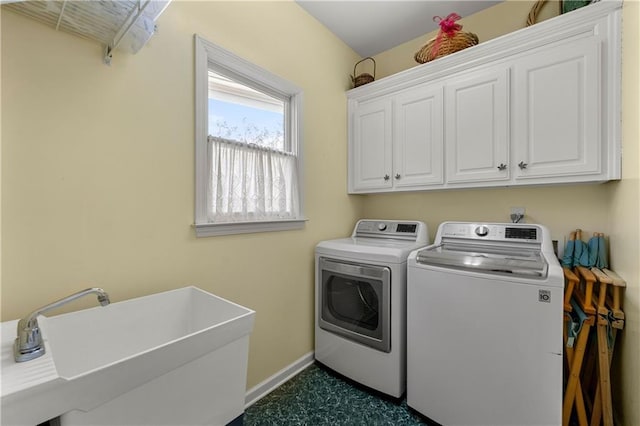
point(382, 226)
point(482, 231)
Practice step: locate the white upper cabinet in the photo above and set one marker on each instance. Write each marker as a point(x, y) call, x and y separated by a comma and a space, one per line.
point(557, 122)
point(477, 126)
point(538, 106)
point(417, 155)
point(370, 160)
point(396, 142)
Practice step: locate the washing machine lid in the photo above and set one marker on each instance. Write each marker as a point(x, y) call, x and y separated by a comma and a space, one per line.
point(488, 258)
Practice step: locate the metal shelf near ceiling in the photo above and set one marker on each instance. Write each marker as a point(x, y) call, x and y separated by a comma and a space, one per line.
point(123, 24)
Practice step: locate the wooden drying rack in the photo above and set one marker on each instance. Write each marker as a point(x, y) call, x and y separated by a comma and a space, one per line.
point(597, 293)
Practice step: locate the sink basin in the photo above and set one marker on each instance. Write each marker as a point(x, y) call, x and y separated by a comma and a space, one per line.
point(98, 359)
point(84, 341)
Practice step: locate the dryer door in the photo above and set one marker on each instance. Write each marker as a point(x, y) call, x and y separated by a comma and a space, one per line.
point(355, 302)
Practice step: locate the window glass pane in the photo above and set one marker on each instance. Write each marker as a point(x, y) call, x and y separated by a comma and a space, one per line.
point(240, 113)
point(248, 148)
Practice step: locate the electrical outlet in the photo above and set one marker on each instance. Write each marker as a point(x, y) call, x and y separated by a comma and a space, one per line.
point(517, 214)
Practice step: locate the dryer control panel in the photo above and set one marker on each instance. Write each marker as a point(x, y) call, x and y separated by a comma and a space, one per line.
point(403, 230)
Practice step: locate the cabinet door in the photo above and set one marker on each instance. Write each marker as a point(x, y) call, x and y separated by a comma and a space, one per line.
point(418, 138)
point(370, 157)
point(558, 111)
point(477, 126)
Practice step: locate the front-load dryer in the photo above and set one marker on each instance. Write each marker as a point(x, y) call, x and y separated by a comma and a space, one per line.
point(360, 315)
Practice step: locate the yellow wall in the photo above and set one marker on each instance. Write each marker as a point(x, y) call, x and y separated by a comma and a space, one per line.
point(98, 169)
point(97, 172)
point(624, 214)
point(612, 208)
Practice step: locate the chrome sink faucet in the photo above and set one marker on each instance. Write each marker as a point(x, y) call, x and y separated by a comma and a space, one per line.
point(29, 343)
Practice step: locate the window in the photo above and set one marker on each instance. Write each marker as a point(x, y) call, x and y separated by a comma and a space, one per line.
point(248, 139)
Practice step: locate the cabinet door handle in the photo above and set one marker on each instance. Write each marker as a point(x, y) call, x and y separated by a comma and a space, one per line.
point(397, 175)
point(502, 166)
point(522, 165)
point(386, 177)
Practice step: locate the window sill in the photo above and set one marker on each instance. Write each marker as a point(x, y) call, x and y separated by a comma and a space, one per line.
point(215, 229)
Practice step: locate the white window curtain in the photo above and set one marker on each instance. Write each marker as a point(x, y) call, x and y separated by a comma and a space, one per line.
point(251, 183)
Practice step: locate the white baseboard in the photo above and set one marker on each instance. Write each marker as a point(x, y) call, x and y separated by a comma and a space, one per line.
point(262, 389)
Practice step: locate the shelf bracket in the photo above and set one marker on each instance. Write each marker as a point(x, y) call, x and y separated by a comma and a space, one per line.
point(64, 4)
point(132, 18)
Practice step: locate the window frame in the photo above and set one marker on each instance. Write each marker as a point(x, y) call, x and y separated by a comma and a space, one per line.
point(241, 70)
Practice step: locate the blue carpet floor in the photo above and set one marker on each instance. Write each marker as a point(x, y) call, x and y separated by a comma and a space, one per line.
point(317, 397)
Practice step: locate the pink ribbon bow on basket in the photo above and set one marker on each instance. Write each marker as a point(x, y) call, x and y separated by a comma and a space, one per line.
point(448, 27)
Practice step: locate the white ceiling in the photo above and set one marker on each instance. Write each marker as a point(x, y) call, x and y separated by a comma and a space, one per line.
point(370, 27)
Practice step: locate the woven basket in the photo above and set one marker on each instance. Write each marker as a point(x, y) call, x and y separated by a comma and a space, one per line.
point(532, 17)
point(363, 78)
point(448, 45)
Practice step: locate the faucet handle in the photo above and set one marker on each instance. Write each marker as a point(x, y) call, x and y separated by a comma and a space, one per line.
point(28, 345)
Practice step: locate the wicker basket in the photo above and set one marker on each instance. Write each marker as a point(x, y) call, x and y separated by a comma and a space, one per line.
point(532, 17)
point(363, 78)
point(461, 40)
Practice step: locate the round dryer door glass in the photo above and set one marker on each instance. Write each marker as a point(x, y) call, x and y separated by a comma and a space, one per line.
point(355, 302)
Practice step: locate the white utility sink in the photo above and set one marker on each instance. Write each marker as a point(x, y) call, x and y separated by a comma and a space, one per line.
point(177, 357)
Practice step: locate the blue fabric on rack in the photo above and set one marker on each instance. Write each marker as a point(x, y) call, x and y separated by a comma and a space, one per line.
point(585, 257)
point(578, 310)
point(575, 325)
point(610, 338)
point(579, 253)
point(579, 249)
point(603, 256)
point(593, 251)
point(567, 258)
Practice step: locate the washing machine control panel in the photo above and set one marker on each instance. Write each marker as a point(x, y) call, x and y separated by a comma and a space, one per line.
point(492, 231)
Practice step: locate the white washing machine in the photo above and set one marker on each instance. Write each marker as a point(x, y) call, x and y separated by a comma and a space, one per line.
point(484, 326)
point(360, 318)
